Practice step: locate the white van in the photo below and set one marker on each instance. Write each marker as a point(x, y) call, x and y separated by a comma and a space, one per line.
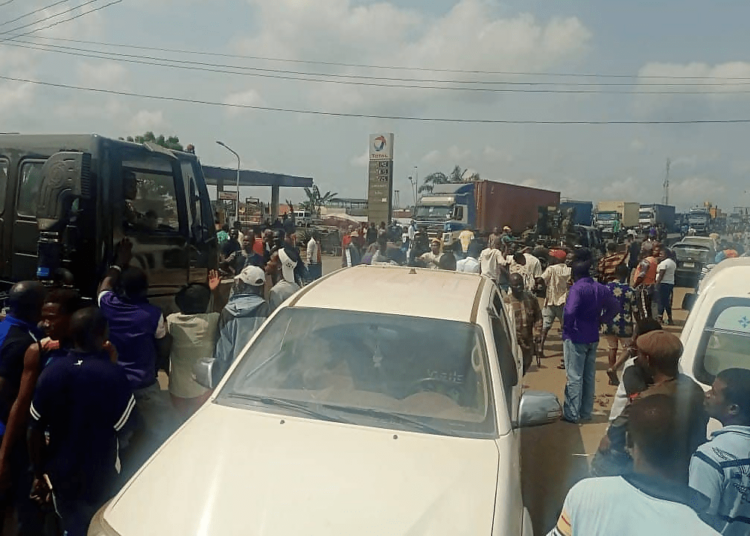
point(302, 218)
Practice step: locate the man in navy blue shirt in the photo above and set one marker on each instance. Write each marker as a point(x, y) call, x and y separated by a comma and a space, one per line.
point(19, 370)
point(83, 400)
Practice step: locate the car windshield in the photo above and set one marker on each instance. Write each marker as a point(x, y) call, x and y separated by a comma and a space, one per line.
point(690, 251)
point(433, 212)
point(725, 340)
point(370, 369)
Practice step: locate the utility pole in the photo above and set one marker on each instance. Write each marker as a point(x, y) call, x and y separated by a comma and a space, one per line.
point(666, 183)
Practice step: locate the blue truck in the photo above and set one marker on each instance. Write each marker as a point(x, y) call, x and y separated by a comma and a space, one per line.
point(583, 211)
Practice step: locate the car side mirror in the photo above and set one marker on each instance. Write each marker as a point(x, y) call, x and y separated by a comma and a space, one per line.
point(538, 408)
point(203, 372)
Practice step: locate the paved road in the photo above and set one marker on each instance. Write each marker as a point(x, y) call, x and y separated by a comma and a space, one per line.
point(556, 456)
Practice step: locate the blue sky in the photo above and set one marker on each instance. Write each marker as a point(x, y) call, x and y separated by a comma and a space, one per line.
point(677, 38)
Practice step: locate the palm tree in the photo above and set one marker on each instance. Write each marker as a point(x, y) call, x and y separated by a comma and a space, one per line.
point(456, 176)
point(315, 200)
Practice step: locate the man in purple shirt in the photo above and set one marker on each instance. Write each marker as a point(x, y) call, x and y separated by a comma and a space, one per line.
point(589, 305)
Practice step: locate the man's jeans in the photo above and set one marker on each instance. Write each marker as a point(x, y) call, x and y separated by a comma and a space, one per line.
point(580, 368)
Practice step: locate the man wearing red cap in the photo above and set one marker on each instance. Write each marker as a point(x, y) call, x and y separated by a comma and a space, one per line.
point(555, 279)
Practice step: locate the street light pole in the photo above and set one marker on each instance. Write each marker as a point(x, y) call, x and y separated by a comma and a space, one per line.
point(237, 203)
point(416, 184)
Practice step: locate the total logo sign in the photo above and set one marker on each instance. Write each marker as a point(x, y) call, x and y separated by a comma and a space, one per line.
point(381, 146)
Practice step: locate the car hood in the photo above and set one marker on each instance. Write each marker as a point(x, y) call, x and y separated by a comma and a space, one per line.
point(233, 471)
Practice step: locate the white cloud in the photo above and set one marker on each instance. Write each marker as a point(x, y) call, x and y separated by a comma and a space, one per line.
point(250, 97)
point(145, 120)
point(360, 161)
point(433, 157)
point(628, 188)
point(695, 190)
point(104, 74)
point(14, 94)
point(495, 156)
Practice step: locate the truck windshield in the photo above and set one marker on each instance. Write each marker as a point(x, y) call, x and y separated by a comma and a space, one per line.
point(607, 216)
point(645, 214)
point(433, 212)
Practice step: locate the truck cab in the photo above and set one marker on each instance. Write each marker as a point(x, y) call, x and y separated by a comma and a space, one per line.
point(446, 211)
point(605, 222)
point(647, 217)
point(67, 200)
point(699, 220)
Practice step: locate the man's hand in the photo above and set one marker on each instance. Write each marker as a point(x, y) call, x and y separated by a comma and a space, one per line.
point(112, 351)
point(214, 280)
point(41, 493)
point(124, 253)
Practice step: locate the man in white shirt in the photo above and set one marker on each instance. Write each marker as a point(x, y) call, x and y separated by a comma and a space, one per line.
point(653, 499)
point(470, 264)
point(432, 257)
point(720, 469)
point(465, 237)
point(281, 269)
point(665, 272)
point(555, 278)
point(314, 266)
point(519, 264)
point(492, 263)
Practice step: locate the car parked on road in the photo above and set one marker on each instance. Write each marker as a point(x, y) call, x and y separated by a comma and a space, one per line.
point(716, 335)
point(692, 255)
point(377, 400)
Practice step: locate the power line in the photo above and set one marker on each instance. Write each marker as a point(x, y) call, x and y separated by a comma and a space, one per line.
point(6, 3)
point(47, 18)
point(33, 12)
point(389, 67)
point(371, 116)
point(180, 66)
point(212, 66)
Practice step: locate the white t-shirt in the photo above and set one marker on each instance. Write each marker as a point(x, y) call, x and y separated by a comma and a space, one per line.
point(621, 396)
point(468, 265)
point(490, 261)
point(193, 337)
point(618, 507)
point(669, 267)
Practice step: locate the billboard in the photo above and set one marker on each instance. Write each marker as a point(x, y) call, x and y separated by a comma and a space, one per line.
point(380, 178)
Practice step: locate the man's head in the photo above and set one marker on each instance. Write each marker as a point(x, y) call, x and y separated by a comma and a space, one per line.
point(580, 270)
point(25, 301)
point(129, 185)
point(728, 401)
point(496, 230)
point(660, 352)
point(282, 265)
point(237, 225)
point(234, 235)
point(557, 256)
point(622, 272)
point(251, 280)
point(134, 284)
point(58, 308)
point(497, 243)
point(507, 229)
point(268, 236)
point(447, 262)
point(435, 246)
point(475, 250)
point(89, 329)
point(516, 285)
point(611, 248)
point(654, 439)
point(519, 258)
point(372, 225)
point(225, 228)
point(193, 299)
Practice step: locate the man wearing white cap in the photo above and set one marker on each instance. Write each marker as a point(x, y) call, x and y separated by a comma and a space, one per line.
point(242, 316)
point(281, 269)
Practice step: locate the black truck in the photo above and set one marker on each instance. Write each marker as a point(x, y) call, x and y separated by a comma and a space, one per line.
point(67, 200)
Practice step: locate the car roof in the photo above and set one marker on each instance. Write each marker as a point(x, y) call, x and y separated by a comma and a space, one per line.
point(730, 277)
point(696, 240)
point(397, 290)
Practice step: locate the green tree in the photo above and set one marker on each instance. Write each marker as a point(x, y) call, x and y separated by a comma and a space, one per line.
point(171, 142)
point(316, 200)
point(455, 177)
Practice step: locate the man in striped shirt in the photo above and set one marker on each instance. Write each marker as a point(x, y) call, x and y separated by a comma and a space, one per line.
point(607, 267)
point(720, 469)
point(84, 400)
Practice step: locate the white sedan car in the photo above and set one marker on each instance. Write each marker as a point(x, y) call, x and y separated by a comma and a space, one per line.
point(376, 401)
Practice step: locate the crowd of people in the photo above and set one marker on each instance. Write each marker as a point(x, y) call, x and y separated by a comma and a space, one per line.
point(81, 407)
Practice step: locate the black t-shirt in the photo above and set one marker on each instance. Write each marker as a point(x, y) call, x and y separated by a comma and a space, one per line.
point(229, 247)
point(84, 400)
point(15, 338)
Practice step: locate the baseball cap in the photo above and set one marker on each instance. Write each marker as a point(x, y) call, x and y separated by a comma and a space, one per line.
point(251, 275)
point(435, 241)
point(559, 254)
point(287, 266)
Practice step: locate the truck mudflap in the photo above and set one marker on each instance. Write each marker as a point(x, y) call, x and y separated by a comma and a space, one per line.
point(65, 177)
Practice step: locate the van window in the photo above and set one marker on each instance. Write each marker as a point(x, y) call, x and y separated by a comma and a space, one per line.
point(3, 182)
point(28, 192)
point(507, 361)
point(726, 339)
point(154, 207)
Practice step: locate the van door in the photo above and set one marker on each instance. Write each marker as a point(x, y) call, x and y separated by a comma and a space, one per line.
point(25, 229)
point(4, 169)
point(203, 250)
point(154, 218)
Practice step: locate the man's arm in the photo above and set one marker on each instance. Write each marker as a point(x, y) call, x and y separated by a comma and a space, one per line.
point(163, 343)
point(660, 274)
point(18, 417)
point(707, 478)
point(122, 259)
point(571, 307)
point(214, 282)
point(610, 306)
point(640, 274)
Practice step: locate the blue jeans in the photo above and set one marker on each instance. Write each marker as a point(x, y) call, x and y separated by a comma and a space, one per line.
point(665, 299)
point(580, 368)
